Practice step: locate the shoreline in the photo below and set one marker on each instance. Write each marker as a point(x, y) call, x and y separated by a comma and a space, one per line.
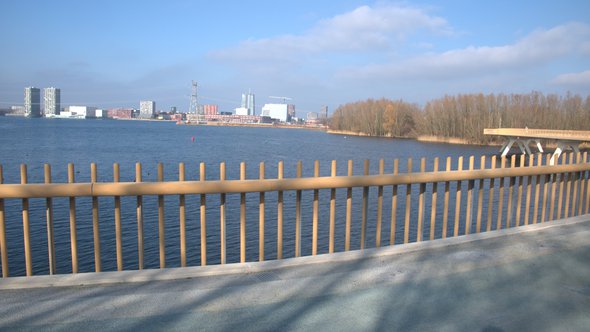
point(452, 140)
point(354, 133)
point(422, 138)
point(551, 145)
point(253, 125)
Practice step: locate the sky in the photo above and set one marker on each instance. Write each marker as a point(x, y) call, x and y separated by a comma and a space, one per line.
point(114, 53)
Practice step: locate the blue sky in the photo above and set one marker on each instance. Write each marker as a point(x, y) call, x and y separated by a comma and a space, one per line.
point(113, 53)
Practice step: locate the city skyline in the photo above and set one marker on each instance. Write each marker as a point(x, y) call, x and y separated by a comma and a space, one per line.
point(316, 53)
point(51, 105)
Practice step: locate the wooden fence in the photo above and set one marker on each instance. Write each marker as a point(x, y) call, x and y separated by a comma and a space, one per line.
point(500, 193)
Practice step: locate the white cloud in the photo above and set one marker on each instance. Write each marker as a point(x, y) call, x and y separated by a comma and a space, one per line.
point(364, 29)
point(371, 51)
point(373, 28)
point(581, 78)
point(536, 49)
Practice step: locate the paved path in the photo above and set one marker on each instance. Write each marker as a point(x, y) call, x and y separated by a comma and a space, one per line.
point(535, 278)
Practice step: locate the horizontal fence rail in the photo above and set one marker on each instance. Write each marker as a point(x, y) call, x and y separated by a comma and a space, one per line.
point(218, 221)
point(251, 186)
point(574, 135)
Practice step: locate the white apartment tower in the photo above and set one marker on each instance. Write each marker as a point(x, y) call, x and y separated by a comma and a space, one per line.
point(248, 103)
point(147, 109)
point(52, 101)
point(32, 102)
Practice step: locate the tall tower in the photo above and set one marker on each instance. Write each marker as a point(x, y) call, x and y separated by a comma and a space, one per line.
point(52, 101)
point(194, 105)
point(251, 105)
point(324, 112)
point(248, 102)
point(244, 101)
point(32, 102)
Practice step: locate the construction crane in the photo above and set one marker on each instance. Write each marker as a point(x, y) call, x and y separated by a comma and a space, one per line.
point(283, 98)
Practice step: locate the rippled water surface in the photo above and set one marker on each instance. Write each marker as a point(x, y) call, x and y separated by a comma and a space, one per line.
point(58, 142)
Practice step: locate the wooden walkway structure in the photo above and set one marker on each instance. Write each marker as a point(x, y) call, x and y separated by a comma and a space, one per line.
point(523, 137)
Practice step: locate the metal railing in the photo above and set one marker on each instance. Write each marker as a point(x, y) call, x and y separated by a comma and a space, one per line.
point(493, 196)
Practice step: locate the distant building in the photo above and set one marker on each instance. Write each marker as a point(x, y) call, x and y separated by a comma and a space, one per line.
point(17, 111)
point(248, 103)
point(163, 116)
point(242, 111)
point(276, 111)
point(147, 109)
point(120, 113)
point(51, 101)
point(210, 109)
point(32, 102)
point(291, 110)
point(323, 113)
point(312, 118)
point(223, 118)
point(77, 112)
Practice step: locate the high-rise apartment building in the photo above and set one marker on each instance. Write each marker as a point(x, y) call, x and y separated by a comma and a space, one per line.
point(32, 102)
point(251, 104)
point(323, 113)
point(147, 109)
point(52, 101)
point(248, 103)
point(244, 101)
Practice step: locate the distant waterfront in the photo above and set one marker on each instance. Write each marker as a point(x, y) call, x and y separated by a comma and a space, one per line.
point(260, 125)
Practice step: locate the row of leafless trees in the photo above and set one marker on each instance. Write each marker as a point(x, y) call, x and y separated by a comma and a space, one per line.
point(381, 117)
point(463, 116)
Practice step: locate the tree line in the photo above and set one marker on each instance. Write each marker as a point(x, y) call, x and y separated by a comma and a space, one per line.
point(463, 116)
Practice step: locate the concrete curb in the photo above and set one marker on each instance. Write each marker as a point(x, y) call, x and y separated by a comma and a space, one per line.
point(105, 278)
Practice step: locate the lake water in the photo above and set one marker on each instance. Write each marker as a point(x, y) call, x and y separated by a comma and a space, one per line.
point(104, 142)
